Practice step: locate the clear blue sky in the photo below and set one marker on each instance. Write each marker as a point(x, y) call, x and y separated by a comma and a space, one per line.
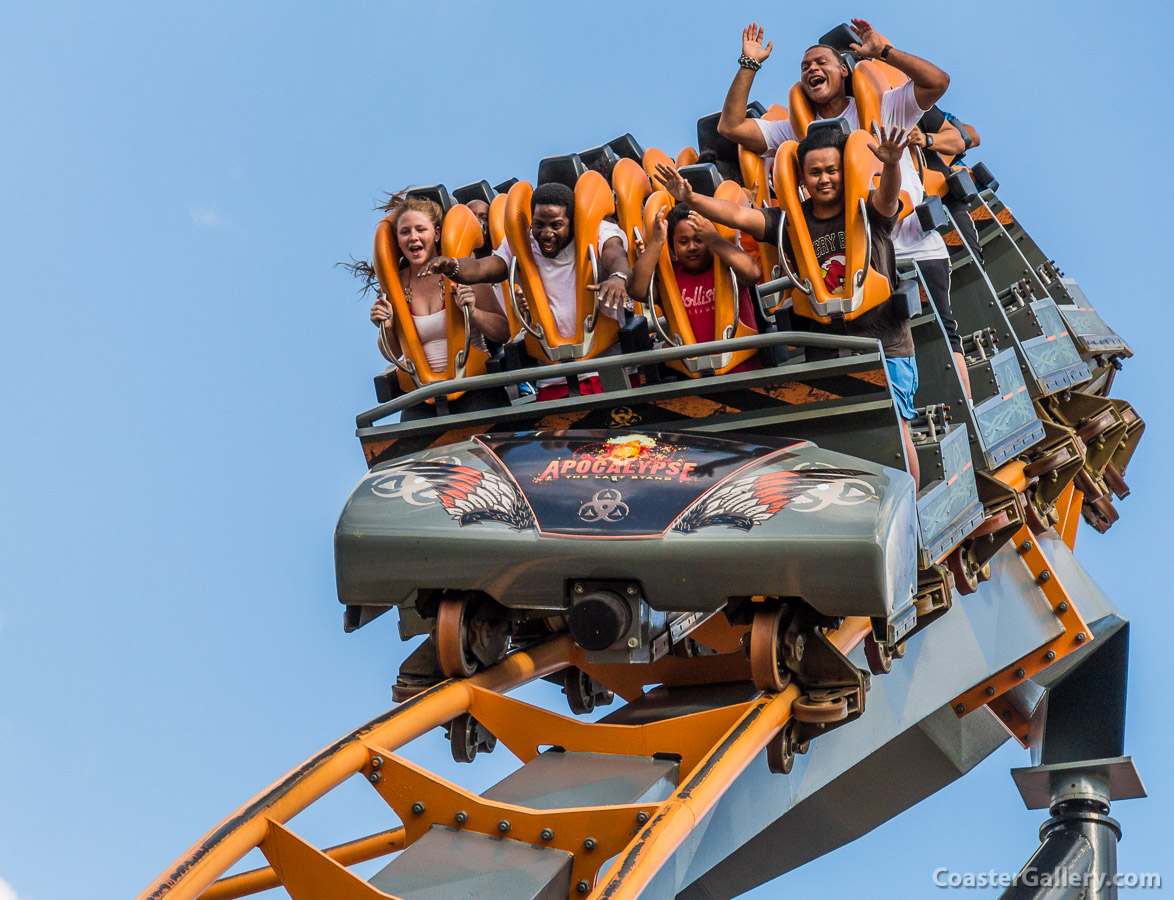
point(180, 366)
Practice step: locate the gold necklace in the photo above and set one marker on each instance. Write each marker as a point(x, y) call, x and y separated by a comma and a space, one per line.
point(408, 286)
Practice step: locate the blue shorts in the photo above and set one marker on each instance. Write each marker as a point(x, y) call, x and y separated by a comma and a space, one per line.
point(903, 377)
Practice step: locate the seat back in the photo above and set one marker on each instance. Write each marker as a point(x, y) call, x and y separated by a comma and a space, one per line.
point(652, 158)
point(631, 187)
point(687, 157)
point(437, 193)
point(864, 288)
point(460, 235)
point(870, 80)
point(477, 190)
point(726, 323)
point(496, 236)
point(594, 332)
point(564, 169)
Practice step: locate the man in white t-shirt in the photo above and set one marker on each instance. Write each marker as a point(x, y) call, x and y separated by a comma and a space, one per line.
point(552, 212)
point(823, 78)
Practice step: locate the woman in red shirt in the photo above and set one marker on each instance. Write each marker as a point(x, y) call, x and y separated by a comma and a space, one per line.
point(695, 247)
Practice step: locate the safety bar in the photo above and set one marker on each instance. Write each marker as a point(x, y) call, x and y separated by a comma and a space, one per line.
point(642, 358)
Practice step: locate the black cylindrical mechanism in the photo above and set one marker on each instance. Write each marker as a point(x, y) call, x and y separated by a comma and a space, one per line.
point(599, 620)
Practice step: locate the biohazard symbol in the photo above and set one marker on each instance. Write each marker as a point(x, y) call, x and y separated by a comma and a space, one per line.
point(606, 506)
point(622, 417)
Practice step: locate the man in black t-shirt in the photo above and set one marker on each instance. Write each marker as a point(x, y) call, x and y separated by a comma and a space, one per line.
point(821, 166)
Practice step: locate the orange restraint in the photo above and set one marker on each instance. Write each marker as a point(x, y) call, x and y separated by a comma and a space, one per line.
point(594, 332)
point(725, 294)
point(496, 236)
point(864, 287)
point(460, 235)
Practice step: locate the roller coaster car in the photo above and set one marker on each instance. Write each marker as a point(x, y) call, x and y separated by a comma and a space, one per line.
point(630, 538)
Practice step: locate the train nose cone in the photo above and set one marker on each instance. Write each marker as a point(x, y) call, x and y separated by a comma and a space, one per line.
point(599, 620)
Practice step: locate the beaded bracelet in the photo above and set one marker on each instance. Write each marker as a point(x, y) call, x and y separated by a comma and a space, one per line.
point(747, 63)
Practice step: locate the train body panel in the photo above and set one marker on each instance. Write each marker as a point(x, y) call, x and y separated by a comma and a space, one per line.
point(692, 520)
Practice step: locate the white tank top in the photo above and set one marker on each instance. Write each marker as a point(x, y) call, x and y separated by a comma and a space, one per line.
point(433, 332)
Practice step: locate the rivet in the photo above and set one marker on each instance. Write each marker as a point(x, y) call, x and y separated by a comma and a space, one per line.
point(374, 777)
point(1081, 638)
point(990, 690)
point(1006, 715)
point(1019, 673)
point(589, 844)
point(583, 887)
point(641, 817)
point(633, 642)
point(503, 826)
point(376, 762)
point(462, 817)
point(1025, 546)
point(578, 588)
point(1062, 606)
point(1043, 576)
point(633, 590)
point(418, 808)
point(960, 708)
point(547, 834)
point(1050, 655)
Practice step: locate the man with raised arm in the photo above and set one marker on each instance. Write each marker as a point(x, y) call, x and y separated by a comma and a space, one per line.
point(823, 79)
point(552, 210)
point(821, 167)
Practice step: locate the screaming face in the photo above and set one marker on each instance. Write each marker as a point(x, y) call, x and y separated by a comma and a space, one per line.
point(551, 229)
point(417, 237)
point(822, 75)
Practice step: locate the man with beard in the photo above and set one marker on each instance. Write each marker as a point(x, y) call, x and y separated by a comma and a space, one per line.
point(552, 241)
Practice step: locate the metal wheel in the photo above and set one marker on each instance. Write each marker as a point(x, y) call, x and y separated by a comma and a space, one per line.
point(1047, 463)
point(780, 752)
point(462, 737)
point(1035, 521)
point(452, 638)
point(879, 656)
point(467, 737)
point(577, 687)
point(766, 663)
point(965, 578)
point(806, 709)
point(1096, 426)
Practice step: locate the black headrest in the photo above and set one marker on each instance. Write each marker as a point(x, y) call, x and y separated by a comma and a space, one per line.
point(437, 193)
point(755, 110)
point(842, 37)
point(713, 148)
point(702, 177)
point(601, 159)
point(563, 169)
point(627, 147)
point(840, 125)
point(478, 190)
point(504, 187)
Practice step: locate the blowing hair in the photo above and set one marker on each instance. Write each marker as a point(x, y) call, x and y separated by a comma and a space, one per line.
point(401, 202)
